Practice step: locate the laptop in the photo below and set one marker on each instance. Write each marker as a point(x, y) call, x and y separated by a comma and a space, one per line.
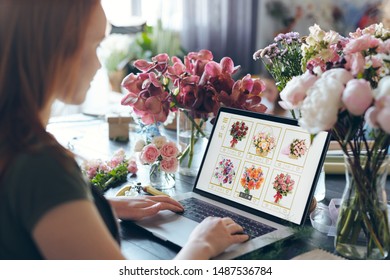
point(259, 169)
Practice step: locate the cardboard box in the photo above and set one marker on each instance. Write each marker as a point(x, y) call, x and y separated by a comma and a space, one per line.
point(118, 128)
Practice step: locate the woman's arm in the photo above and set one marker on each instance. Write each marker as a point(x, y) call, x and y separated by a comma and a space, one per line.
point(74, 230)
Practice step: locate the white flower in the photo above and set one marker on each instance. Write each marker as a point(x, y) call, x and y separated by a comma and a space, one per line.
point(383, 88)
point(320, 108)
point(316, 33)
point(159, 141)
point(340, 74)
point(332, 37)
point(295, 91)
point(139, 145)
point(119, 153)
point(114, 51)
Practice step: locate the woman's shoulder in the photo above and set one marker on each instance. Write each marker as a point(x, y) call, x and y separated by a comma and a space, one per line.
point(46, 171)
point(43, 160)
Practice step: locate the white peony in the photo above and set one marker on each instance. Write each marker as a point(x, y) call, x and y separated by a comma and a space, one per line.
point(383, 88)
point(340, 74)
point(320, 108)
point(295, 90)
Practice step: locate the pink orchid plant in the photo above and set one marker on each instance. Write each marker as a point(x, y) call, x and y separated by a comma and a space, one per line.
point(197, 83)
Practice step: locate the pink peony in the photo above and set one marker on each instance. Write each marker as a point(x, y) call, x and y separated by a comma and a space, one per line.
point(355, 63)
point(384, 118)
point(357, 96)
point(379, 115)
point(149, 154)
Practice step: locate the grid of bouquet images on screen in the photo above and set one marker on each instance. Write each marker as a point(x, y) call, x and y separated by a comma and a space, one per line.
point(259, 163)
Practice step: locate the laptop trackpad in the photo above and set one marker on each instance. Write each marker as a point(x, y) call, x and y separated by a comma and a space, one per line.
point(169, 226)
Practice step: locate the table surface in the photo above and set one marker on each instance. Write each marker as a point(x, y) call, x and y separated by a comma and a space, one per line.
point(87, 136)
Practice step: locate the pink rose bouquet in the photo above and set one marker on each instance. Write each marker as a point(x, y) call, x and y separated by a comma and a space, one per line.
point(161, 154)
point(296, 149)
point(283, 185)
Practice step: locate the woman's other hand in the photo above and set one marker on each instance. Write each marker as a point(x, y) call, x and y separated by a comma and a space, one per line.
point(211, 237)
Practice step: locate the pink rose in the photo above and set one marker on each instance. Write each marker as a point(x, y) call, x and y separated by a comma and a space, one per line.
point(357, 96)
point(149, 154)
point(132, 167)
point(169, 165)
point(169, 149)
point(104, 167)
point(115, 161)
point(91, 172)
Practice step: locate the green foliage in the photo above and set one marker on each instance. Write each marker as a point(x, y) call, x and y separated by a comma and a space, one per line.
point(105, 180)
point(154, 40)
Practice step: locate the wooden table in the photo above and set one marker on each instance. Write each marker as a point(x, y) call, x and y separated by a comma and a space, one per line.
point(88, 137)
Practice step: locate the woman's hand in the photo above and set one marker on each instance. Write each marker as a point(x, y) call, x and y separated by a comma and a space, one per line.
point(136, 208)
point(211, 237)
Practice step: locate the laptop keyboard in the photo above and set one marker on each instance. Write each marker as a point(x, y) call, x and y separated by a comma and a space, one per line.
point(197, 210)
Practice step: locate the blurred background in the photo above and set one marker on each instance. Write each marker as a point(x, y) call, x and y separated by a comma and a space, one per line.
point(143, 28)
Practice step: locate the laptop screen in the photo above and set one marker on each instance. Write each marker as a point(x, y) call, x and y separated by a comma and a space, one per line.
point(265, 163)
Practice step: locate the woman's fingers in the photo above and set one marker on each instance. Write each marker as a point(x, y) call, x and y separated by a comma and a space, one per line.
point(166, 199)
point(235, 230)
point(157, 207)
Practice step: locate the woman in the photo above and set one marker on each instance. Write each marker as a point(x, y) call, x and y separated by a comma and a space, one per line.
point(47, 210)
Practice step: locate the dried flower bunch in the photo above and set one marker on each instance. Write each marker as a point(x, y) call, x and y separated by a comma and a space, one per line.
point(107, 174)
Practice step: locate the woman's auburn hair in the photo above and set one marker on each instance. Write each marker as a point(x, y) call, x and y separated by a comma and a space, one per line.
point(40, 51)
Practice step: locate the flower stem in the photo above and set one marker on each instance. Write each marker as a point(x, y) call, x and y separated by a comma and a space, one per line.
point(194, 124)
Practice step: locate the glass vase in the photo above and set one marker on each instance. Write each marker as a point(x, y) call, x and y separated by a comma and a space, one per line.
point(193, 130)
point(159, 179)
point(362, 225)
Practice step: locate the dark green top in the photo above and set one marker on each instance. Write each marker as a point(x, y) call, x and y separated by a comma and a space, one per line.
point(33, 185)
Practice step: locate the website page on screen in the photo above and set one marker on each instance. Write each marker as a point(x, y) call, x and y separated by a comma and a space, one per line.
point(266, 165)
